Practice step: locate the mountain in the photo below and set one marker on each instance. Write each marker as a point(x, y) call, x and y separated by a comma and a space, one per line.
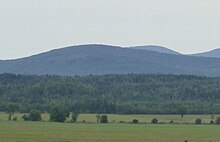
point(103, 59)
point(159, 49)
point(214, 54)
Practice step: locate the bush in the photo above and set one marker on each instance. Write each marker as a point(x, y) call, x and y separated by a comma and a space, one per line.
point(217, 120)
point(135, 121)
point(98, 118)
point(15, 118)
point(59, 114)
point(25, 117)
point(104, 119)
point(74, 117)
point(211, 122)
point(9, 117)
point(34, 115)
point(154, 121)
point(198, 121)
point(171, 122)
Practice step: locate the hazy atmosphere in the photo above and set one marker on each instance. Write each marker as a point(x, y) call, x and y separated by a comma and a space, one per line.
point(109, 70)
point(28, 27)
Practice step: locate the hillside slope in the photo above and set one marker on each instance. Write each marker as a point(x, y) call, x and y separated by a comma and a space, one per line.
point(214, 54)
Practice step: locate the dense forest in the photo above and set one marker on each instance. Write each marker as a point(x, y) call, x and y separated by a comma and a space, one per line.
point(122, 94)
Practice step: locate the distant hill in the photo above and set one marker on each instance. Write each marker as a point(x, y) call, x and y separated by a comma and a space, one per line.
point(103, 59)
point(214, 53)
point(160, 49)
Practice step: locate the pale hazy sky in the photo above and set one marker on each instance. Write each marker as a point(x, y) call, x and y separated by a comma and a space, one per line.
point(28, 27)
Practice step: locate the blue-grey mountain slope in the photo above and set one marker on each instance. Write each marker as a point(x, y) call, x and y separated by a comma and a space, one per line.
point(159, 49)
point(214, 54)
point(103, 59)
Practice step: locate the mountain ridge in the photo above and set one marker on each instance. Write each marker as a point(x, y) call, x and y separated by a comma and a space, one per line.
point(105, 59)
point(156, 48)
point(215, 53)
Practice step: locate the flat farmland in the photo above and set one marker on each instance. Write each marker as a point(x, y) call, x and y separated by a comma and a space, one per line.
point(21, 131)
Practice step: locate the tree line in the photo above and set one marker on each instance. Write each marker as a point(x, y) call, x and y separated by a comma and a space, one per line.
point(120, 94)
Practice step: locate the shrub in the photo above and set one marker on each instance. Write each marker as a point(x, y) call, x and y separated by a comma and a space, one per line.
point(217, 120)
point(198, 121)
point(15, 118)
point(98, 118)
point(104, 119)
point(25, 117)
point(74, 117)
point(171, 122)
point(154, 121)
point(135, 121)
point(9, 117)
point(59, 114)
point(211, 122)
point(34, 115)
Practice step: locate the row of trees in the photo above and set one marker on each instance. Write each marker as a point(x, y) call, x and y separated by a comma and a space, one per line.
point(59, 114)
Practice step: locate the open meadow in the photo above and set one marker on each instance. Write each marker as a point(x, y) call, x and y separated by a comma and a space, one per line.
point(67, 132)
point(21, 131)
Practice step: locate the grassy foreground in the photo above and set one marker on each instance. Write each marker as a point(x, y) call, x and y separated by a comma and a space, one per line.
point(21, 131)
point(66, 132)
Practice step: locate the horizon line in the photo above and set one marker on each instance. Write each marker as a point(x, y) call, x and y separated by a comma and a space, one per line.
point(105, 44)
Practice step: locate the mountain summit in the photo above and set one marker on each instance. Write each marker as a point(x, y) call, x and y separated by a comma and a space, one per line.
point(155, 48)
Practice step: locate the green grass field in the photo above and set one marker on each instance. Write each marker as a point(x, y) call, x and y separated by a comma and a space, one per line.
point(67, 132)
point(21, 131)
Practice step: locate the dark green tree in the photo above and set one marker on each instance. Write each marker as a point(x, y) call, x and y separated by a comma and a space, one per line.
point(183, 111)
point(217, 120)
point(25, 117)
point(34, 115)
point(59, 114)
point(104, 119)
point(98, 118)
point(154, 121)
point(135, 121)
point(15, 118)
point(11, 108)
point(198, 121)
point(74, 117)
